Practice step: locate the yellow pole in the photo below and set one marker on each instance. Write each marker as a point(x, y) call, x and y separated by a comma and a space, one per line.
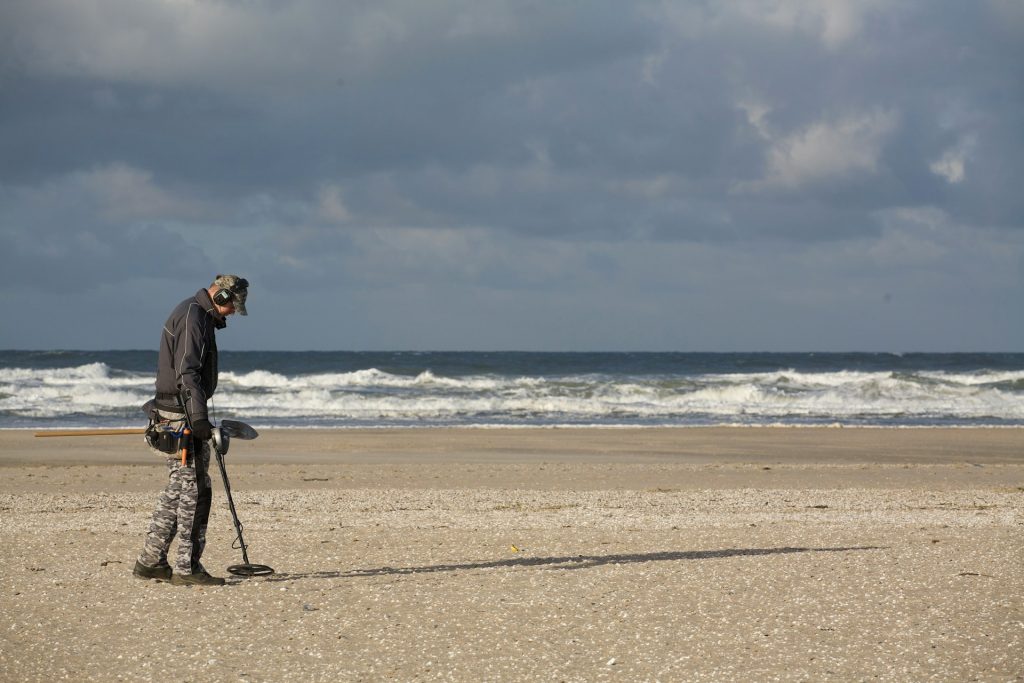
point(91, 432)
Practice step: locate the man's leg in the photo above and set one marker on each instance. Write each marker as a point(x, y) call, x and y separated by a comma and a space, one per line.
point(193, 512)
point(203, 504)
point(162, 527)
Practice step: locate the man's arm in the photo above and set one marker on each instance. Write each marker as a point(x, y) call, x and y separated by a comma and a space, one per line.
point(188, 362)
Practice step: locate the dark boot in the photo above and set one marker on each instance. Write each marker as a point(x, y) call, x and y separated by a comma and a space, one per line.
point(141, 571)
point(197, 579)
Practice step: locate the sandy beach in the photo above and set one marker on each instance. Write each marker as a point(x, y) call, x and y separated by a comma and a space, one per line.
point(531, 554)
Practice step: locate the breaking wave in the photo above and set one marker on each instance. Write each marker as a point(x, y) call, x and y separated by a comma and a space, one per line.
point(98, 394)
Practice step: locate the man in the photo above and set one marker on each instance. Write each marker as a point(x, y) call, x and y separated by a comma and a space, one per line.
point(186, 378)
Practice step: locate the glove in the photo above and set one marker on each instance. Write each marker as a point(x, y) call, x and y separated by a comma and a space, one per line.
point(202, 429)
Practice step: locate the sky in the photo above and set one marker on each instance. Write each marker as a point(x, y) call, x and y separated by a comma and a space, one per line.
point(776, 175)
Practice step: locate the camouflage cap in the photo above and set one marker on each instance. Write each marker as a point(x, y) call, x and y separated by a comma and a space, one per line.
point(238, 286)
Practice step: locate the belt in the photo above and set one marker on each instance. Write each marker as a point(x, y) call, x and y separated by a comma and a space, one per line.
point(168, 402)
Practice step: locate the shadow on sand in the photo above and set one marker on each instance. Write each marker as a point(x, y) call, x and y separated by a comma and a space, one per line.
point(568, 562)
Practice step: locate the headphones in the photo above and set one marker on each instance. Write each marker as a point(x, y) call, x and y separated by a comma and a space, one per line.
point(224, 296)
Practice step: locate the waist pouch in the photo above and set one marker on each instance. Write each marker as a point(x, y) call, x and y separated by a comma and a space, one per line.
point(164, 438)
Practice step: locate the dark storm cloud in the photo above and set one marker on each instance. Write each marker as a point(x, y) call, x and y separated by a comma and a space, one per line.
point(517, 148)
point(100, 227)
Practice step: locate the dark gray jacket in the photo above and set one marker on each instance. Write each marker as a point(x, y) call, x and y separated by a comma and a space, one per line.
point(188, 356)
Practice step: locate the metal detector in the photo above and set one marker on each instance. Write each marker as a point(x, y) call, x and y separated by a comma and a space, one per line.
point(221, 440)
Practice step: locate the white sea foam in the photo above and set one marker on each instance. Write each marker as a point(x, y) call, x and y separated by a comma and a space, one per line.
point(985, 377)
point(372, 396)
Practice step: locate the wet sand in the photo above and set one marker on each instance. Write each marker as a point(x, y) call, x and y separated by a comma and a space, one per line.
point(534, 554)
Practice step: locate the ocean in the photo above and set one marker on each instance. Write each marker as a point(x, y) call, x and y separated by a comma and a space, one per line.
point(71, 389)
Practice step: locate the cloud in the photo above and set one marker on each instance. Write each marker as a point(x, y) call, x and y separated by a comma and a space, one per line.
point(575, 156)
point(822, 152)
point(951, 165)
point(834, 22)
point(256, 48)
point(94, 227)
point(123, 193)
point(332, 205)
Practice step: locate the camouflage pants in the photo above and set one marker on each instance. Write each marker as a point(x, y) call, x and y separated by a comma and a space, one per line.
point(183, 509)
